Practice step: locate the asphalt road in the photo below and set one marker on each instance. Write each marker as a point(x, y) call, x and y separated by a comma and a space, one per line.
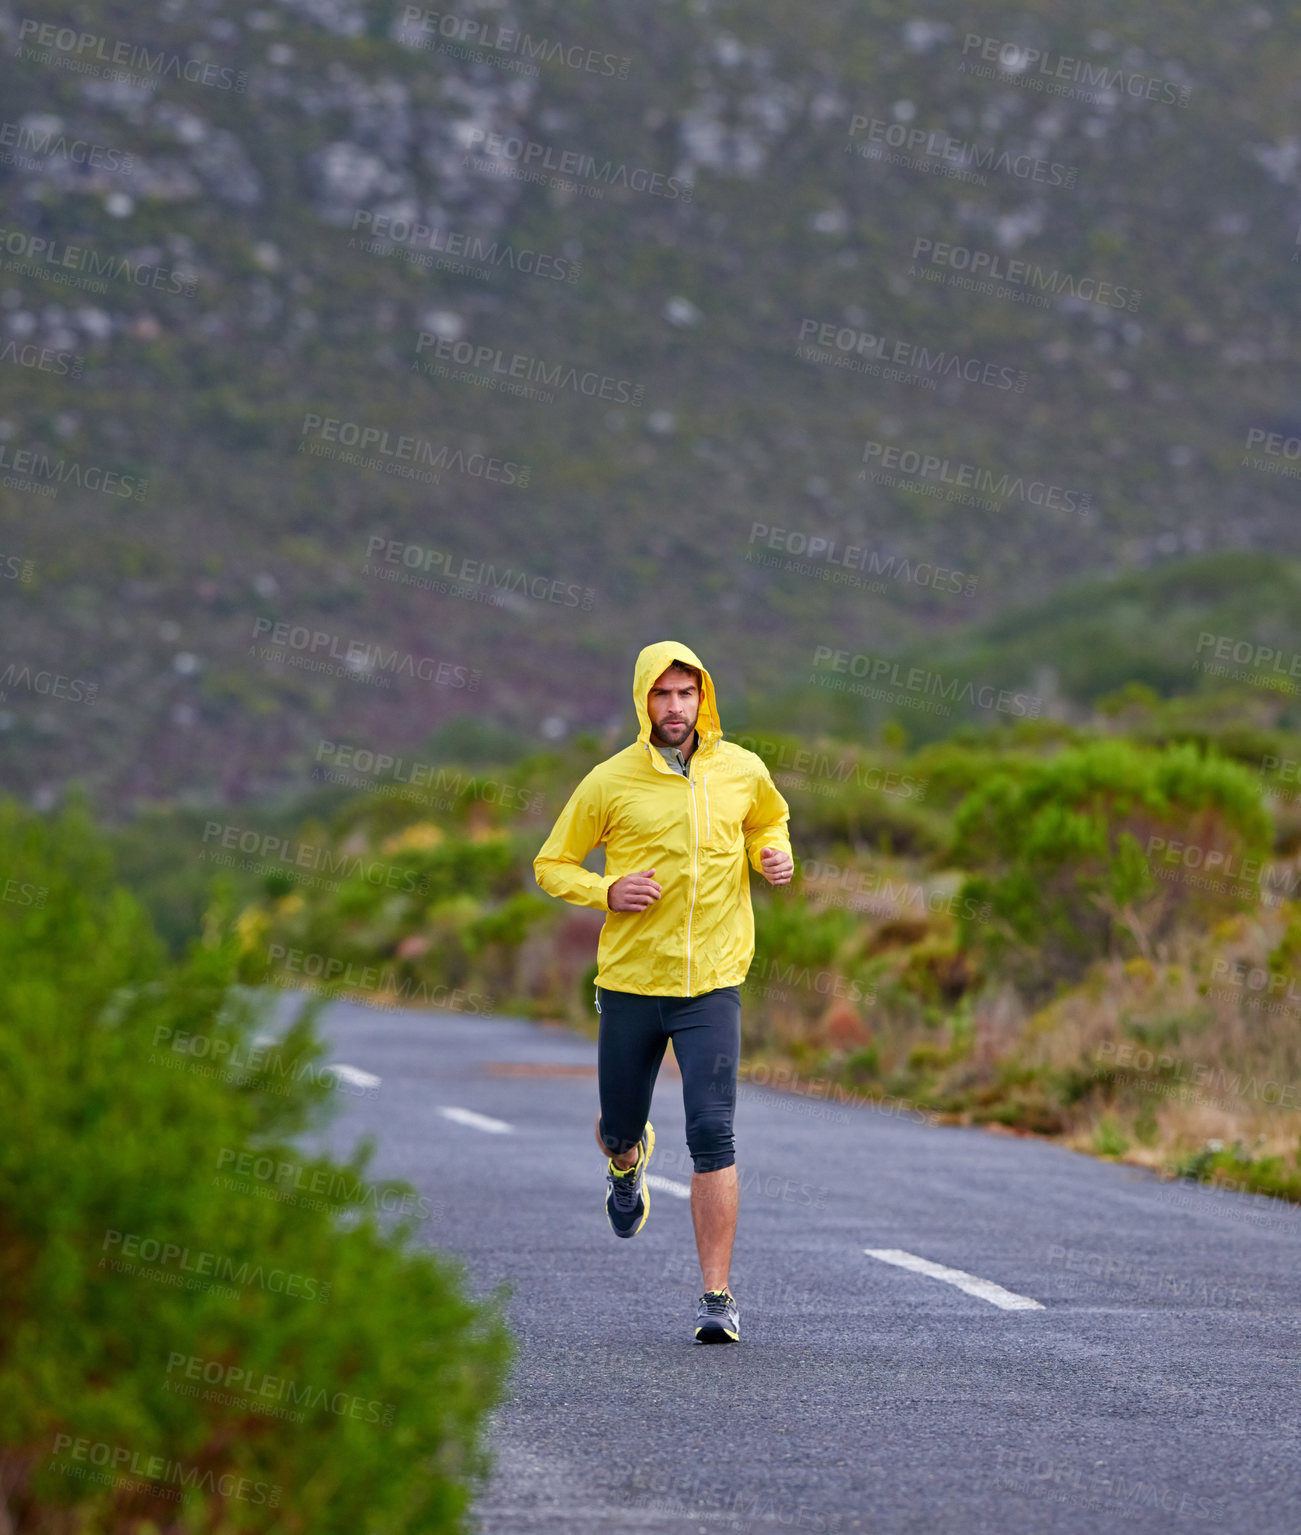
point(1154, 1388)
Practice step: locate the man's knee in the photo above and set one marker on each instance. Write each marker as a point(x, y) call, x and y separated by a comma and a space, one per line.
point(709, 1139)
point(613, 1145)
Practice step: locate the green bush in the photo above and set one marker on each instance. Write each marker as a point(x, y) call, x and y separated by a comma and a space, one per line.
point(458, 919)
point(1062, 849)
point(810, 956)
point(1234, 1167)
point(789, 932)
point(840, 792)
point(191, 1340)
point(1108, 1139)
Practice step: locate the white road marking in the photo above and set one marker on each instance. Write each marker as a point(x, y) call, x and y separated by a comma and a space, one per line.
point(986, 1289)
point(354, 1075)
point(669, 1185)
point(477, 1121)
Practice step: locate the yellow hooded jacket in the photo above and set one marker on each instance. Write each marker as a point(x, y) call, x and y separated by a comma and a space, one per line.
point(695, 832)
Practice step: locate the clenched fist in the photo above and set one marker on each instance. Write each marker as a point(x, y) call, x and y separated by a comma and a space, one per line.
point(634, 892)
point(778, 865)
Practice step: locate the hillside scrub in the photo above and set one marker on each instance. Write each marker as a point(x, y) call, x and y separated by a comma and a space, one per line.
point(990, 929)
point(1076, 851)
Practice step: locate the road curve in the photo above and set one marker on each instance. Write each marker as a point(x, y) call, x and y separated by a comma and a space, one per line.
point(1144, 1379)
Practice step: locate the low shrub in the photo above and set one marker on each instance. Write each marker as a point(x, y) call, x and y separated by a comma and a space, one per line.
point(204, 1329)
point(1071, 853)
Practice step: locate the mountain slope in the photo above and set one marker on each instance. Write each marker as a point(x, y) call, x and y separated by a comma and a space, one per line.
point(251, 332)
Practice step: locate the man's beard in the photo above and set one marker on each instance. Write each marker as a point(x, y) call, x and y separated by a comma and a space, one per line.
point(673, 735)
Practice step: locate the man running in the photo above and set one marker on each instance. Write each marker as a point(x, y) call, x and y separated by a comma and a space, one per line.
point(679, 813)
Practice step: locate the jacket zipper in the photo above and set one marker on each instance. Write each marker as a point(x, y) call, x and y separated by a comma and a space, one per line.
point(695, 858)
point(695, 849)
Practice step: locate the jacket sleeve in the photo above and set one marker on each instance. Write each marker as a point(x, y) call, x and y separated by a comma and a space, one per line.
point(765, 822)
point(558, 867)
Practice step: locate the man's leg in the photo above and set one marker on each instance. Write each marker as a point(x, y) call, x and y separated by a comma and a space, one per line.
point(630, 1046)
point(713, 1214)
point(706, 1034)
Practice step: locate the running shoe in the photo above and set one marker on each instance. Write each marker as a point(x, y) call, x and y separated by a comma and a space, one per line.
point(627, 1199)
point(718, 1318)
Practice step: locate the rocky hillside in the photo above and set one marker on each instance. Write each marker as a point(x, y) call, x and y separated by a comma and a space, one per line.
point(365, 366)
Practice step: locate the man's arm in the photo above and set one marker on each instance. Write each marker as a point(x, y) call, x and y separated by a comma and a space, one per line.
point(558, 867)
point(765, 823)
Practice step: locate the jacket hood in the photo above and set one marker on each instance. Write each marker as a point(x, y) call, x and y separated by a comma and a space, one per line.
point(650, 663)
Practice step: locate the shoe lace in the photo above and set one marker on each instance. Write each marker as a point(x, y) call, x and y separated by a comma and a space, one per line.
point(716, 1302)
point(625, 1191)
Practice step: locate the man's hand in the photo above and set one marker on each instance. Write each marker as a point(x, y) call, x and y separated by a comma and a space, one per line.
point(778, 865)
point(634, 892)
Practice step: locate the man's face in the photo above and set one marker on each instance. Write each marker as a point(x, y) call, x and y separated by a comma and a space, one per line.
point(673, 705)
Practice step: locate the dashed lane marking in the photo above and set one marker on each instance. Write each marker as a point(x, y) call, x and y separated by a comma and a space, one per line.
point(354, 1075)
point(985, 1289)
point(669, 1186)
point(477, 1121)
